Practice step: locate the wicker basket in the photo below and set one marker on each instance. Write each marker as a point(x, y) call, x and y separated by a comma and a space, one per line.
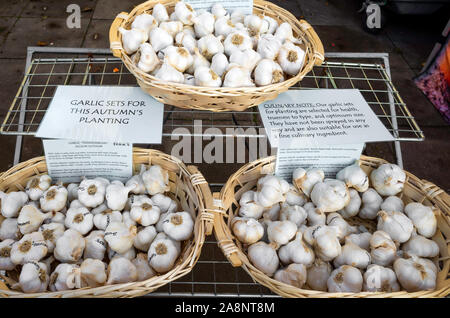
point(187, 186)
point(223, 98)
point(226, 205)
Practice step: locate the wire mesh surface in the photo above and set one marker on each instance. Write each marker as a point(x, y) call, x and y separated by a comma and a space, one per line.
point(45, 73)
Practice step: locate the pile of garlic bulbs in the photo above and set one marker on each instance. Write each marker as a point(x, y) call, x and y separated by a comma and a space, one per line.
point(300, 233)
point(93, 233)
point(213, 49)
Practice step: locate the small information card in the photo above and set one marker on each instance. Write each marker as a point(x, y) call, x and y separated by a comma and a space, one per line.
point(68, 161)
point(245, 6)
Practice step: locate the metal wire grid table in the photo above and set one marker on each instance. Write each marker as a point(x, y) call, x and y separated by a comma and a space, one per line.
point(213, 275)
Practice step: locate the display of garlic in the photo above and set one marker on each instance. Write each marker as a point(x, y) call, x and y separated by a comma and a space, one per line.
point(33, 277)
point(162, 254)
point(144, 271)
point(382, 249)
point(119, 236)
point(256, 24)
point(79, 219)
point(423, 218)
point(37, 185)
point(324, 241)
point(247, 230)
point(269, 195)
point(380, 279)
point(69, 247)
point(353, 255)
point(121, 270)
point(318, 274)
point(296, 251)
point(264, 257)
point(396, 224)
point(249, 207)
point(330, 195)
point(30, 218)
point(353, 206)
point(12, 202)
point(280, 184)
point(371, 202)
point(91, 192)
point(95, 245)
point(54, 199)
point(421, 246)
point(51, 233)
point(209, 45)
point(31, 247)
point(416, 273)
point(345, 279)
point(144, 237)
point(294, 275)
point(5, 255)
point(388, 179)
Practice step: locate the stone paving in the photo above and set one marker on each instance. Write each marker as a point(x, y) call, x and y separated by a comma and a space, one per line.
point(42, 22)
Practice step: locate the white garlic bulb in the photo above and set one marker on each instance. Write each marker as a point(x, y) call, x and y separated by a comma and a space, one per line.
point(268, 72)
point(144, 22)
point(223, 26)
point(383, 249)
point(148, 59)
point(103, 219)
point(162, 254)
point(33, 277)
point(171, 27)
point(54, 199)
point(164, 203)
point(354, 177)
point(268, 46)
point(30, 218)
point(187, 41)
point(6, 263)
point(160, 39)
point(12, 202)
point(291, 58)
point(204, 76)
point(237, 40)
point(294, 275)
point(69, 247)
point(360, 239)
point(293, 213)
point(129, 254)
point(168, 73)
point(318, 274)
point(204, 24)
point(371, 202)
point(324, 241)
point(330, 195)
point(144, 212)
point(281, 232)
point(93, 273)
point(273, 24)
point(296, 251)
point(380, 279)
point(249, 207)
point(264, 257)
point(388, 179)
point(315, 216)
point(209, 45)
point(79, 219)
point(156, 179)
point(421, 246)
point(415, 273)
point(305, 180)
point(144, 237)
point(117, 195)
point(95, 245)
point(281, 185)
point(284, 33)
point(352, 208)
point(219, 63)
point(120, 236)
point(51, 233)
point(422, 217)
point(294, 197)
point(353, 255)
point(31, 247)
point(185, 13)
point(392, 203)
point(256, 24)
point(63, 277)
point(237, 76)
point(37, 185)
point(144, 271)
point(219, 11)
point(121, 270)
point(178, 57)
point(247, 58)
point(237, 16)
point(199, 61)
point(345, 279)
point(10, 230)
point(341, 226)
point(91, 192)
point(396, 224)
point(178, 225)
point(247, 230)
point(160, 13)
point(132, 39)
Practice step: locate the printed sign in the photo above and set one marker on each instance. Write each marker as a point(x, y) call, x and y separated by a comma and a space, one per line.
point(246, 7)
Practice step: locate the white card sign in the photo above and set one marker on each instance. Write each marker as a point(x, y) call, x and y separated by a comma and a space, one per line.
point(68, 160)
point(103, 113)
point(246, 6)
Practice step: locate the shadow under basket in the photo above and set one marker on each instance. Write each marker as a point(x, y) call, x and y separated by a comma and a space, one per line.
point(226, 205)
point(187, 186)
point(221, 98)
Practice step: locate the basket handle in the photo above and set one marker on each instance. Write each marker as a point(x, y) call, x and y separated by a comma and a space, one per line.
point(115, 42)
point(318, 52)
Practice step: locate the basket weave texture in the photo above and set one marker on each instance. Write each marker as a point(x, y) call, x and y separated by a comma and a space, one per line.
point(187, 186)
point(222, 98)
point(415, 190)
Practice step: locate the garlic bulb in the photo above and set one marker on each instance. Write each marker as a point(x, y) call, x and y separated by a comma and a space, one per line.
point(330, 195)
point(341, 226)
point(305, 180)
point(294, 274)
point(315, 216)
point(354, 177)
point(72, 190)
point(237, 76)
point(69, 247)
point(178, 57)
point(209, 45)
point(33, 277)
point(272, 213)
point(247, 230)
point(78, 204)
point(132, 39)
point(268, 72)
point(383, 249)
point(120, 271)
point(284, 33)
point(103, 219)
point(353, 255)
point(223, 26)
point(119, 236)
point(256, 24)
point(199, 60)
point(269, 195)
point(144, 237)
point(62, 277)
point(129, 254)
point(12, 202)
point(55, 217)
point(178, 225)
point(293, 213)
point(318, 274)
point(160, 13)
point(291, 58)
point(162, 254)
point(324, 241)
point(144, 271)
point(79, 219)
point(281, 232)
point(388, 179)
point(237, 40)
point(51, 233)
point(156, 179)
point(91, 192)
point(144, 212)
point(93, 273)
point(380, 279)
point(6, 263)
point(294, 197)
point(371, 202)
point(164, 203)
point(264, 257)
point(117, 195)
point(204, 76)
point(10, 230)
point(160, 39)
point(392, 203)
point(237, 16)
point(422, 217)
point(352, 208)
point(54, 199)
point(144, 22)
point(415, 273)
point(218, 10)
point(187, 41)
point(30, 218)
point(204, 24)
point(247, 58)
point(37, 185)
point(396, 224)
point(169, 74)
point(249, 207)
point(268, 46)
point(273, 24)
point(421, 246)
point(31, 247)
point(345, 279)
point(185, 13)
point(361, 239)
point(171, 27)
point(296, 251)
point(95, 245)
point(281, 185)
point(148, 59)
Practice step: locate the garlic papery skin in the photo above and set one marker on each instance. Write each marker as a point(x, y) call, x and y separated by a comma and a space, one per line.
point(247, 230)
point(294, 197)
point(268, 47)
point(130, 254)
point(148, 59)
point(237, 40)
point(281, 232)
point(132, 39)
point(178, 57)
point(72, 192)
point(264, 257)
point(422, 217)
point(209, 45)
point(330, 195)
point(415, 273)
point(37, 185)
point(345, 279)
point(353, 255)
point(169, 74)
point(160, 13)
point(237, 76)
point(270, 180)
point(315, 216)
point(352, 208)
point(164, 203)
point(396, 224)
point(249, 207)
point(392, 203)
point(284, 33)
point(69, 247)
point(12, 202)
point(51, 233)
point(204, 76)
point(62, 276)
point(247, 58)
point(144, 271)
point(187, 41)
point(371, 202)
point(93, 273)
point(324, 241)
point(33, 277)
point(171, 27)
point(296, 251)
point(341, 226)
point(272, 213)
point(103, 219)
point(120, 271)
point(223, 26)
point(178, 225)
point(9, 230)
point(388, 179)
point(204, 24)
point(382, 249)
point(294, 275)
point(30, 218)
point(31, 247)
point(293, 213)
point(91, 192)
point(361, 239)
point(268, 72)
point(380, 279)
point(291, 58)
point(256, 24)
point(273, 24)
point(78, 204)
point(6, 263)
point(185, 13)
point(162, 254)
point(318, 274)
point(144, 22)
point(55, 217)
point(144, 237)
point(79, 219)
point(144, 212)
point(160, 39)
point(95, 245)
point(117, 195)
point(354, 177)
point(421, 246)
point(305, 180)
point(120, 237)
point(199, 60)
point(268, 196)
point(156, 179)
